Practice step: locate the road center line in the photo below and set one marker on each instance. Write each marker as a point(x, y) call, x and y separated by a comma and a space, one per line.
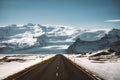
point(57, 67)
point(56, 74)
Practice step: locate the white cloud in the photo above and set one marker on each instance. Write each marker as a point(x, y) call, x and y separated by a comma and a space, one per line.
point(115, 20)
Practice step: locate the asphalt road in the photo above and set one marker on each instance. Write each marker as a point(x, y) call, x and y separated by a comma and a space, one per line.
point(56, 68)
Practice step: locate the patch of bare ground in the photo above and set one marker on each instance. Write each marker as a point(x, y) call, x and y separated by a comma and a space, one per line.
point(7, 59)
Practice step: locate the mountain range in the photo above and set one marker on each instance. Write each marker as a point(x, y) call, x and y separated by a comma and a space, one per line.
point(36, 38)
point(110, 40)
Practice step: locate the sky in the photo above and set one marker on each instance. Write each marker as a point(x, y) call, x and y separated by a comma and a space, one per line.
point(76, 13)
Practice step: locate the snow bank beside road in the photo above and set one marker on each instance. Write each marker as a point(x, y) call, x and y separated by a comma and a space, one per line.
point(109, 70)
point(10, 68)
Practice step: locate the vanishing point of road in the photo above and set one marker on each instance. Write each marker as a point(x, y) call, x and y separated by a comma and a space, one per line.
point(56, 68)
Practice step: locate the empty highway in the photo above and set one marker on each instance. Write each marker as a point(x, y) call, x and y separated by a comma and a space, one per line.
point(56, 68)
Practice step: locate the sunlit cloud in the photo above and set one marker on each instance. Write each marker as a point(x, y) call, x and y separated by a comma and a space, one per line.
point(115, 20)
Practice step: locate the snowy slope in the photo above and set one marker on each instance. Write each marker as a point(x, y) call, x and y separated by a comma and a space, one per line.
point(92, 36)
point(36, 38)
point(110, 40)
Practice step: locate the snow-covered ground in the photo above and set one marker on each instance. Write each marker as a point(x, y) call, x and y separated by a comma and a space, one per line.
point(106, 69)
point(13, 63)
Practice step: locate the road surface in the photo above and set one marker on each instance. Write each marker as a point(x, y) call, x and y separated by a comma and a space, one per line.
point(56, 68)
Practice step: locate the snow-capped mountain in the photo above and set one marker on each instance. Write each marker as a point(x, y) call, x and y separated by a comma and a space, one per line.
point(36, 38)
point(110, 40)
point(33, 38)
point(92, 36)
point(89, 35)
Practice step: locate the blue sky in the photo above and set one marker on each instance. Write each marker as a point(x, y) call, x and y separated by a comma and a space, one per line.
point(78, 13)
